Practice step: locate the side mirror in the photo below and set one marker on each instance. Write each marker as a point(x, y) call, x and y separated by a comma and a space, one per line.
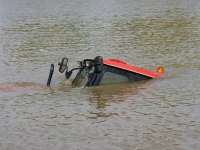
point(63, 65)
point(98, 62)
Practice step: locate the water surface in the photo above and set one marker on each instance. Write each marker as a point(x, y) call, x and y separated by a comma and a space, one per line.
point(153, 114)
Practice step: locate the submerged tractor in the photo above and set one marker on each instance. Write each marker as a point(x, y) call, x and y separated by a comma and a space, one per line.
point(93, 72)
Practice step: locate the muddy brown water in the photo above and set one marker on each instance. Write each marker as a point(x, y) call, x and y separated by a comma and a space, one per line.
point(154, 114)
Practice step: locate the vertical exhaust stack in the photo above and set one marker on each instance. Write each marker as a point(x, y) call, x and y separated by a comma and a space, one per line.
point(50, 75)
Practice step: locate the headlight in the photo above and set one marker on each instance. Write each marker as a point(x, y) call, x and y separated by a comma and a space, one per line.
point(87, 63)
point(80, 63)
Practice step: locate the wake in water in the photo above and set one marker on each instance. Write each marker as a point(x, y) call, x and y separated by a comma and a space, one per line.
point(11, 88)
point(33, 87)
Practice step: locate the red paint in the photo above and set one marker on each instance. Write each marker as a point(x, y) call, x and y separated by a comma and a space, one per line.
point(120, 64)
point(118, 60)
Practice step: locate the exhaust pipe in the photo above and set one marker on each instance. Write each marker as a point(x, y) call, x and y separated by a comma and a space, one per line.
point(50, 74)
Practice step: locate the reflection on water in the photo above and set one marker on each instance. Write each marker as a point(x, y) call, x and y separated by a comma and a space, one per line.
point(153, 114)
point(114, 93)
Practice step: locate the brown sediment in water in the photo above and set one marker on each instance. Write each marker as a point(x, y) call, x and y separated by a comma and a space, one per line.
point(15, 88)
